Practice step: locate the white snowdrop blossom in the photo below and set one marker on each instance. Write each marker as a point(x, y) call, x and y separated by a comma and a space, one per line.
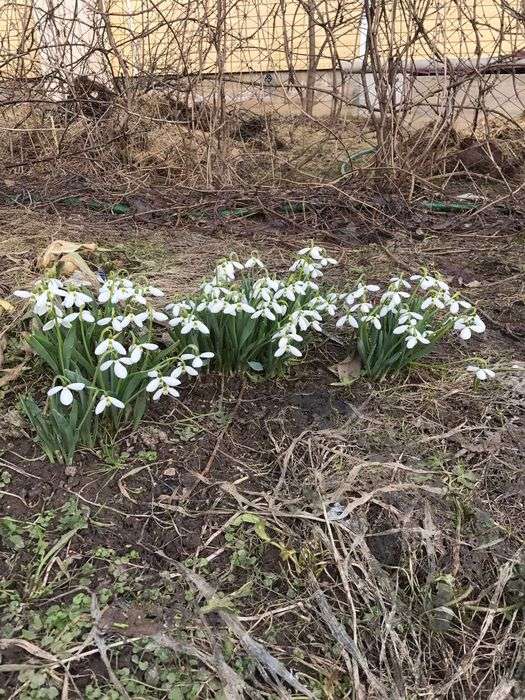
point(118, 365)
point(198, 360)
point(469, 324)
point(481, 373)
point(140, 293)
point(363, 307)
point(110, 345)
point(269, 310)
point(358, 292)
point(407, 315)
point(392, 298)
point(105, 402)
point(254, 261)
point(75, 297)
point(116, 290)
point(433, 300)
point(414, 337)
point(399, 282)
point(137, 350)
point(347, 319)
point(162, 385)
point(373, 319)
point(191, 323)
point(307, 268)
point(317, 254)
point(324, 304)
point(428, 281)
point(286, 336)
point(455, 305)
point(66, 392)
point(225, 271)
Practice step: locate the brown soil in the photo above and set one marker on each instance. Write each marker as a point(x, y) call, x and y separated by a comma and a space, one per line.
point(289, 451)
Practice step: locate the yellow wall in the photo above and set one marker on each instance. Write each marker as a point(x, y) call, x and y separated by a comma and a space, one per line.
point(177, 36)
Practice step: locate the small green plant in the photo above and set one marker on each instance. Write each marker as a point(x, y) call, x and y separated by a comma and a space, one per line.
point(104, 353)
point(398, 327)
point(247, 320)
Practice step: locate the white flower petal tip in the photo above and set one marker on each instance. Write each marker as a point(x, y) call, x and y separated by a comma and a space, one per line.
point(66, 392)
point(106, 401)
point(481, 373)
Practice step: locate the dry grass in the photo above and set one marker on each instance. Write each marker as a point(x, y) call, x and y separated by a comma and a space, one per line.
point(381, 553)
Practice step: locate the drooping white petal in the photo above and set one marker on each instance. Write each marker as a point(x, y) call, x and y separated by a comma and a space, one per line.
point(120, 370)
point(76, 386)
point(66, 397)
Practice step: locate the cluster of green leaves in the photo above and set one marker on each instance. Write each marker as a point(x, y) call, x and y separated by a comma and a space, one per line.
point(404, 323)
point(99, 348)
point(252, 321)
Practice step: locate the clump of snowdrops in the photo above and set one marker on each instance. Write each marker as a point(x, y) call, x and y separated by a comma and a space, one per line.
point(397, 326)
point(103, 351)
point(251, 320)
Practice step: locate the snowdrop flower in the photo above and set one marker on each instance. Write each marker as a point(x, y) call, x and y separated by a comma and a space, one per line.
point(315, 252)
point(306, 318)
point(374, 320)
point(43, 296)
point(284, 346)
point(155, 315)
point(138, 349)
point(253, 261)
point(285, 337)
point(162, 386)
point(210, 291)
point(360, 290)
point(177, 308)
point(309, 269)
point(393, 298)
point(118, 323)
point(269, 309)
point(196, 361)
point(347, 318)
point(455, 305)
point(469, 324)
point(427, 282)
point(153, 291)
point(398, 282)
point(414, 337)
point(44, 304)
point(481, 373)
point(66, 395)
point(318, 254)
point(364, 307)
point(66, 322)
point(433, 300)
point(118, 366)
point(409, 315)
point(106, 401)
point(225, 272)
point(24, 294)
point(110, 344)
point(190, 323)
point(324, 304)
point(116, 290)
point(76, 298)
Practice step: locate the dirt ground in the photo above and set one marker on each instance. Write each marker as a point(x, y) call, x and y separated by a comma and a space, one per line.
point(296, 538)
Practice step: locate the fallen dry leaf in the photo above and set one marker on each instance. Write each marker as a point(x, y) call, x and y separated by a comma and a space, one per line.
point(10, 374)
point(6, 307)
point(59, 248)
point(66, 256)
point(348, 369)
point(170, 471)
